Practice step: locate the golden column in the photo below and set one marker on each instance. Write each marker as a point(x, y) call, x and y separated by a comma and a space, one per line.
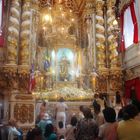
point(25, 33)
point(112, 40)
point(100, 35)
point(13, 32)
point(115, 77)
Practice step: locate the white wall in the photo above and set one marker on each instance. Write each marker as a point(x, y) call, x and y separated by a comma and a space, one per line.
point(137, 7)
point(132, 56)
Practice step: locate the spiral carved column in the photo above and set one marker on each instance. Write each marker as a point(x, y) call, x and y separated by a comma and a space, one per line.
point(100, 37)
point(115, 77)
point(25, 33)
point(13, 32)
point(111, 37)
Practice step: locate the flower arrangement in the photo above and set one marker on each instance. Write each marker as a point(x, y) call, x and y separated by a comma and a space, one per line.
point(68, 93)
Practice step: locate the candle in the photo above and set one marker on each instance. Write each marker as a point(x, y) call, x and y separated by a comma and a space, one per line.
point(42, 80)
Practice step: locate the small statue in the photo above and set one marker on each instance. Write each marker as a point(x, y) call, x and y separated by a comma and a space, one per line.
point(64, 69)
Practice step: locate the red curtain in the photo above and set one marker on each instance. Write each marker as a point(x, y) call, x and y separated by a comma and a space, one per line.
point(134, 19)
point(1, 25)
point(122, 46)
point(132, 83)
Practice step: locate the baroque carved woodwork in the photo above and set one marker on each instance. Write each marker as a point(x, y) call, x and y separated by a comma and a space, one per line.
point(23, 51)
point(101, 85)
point(24, 113)
point(71, 4)
point(14, 78)
point(115, 79)
point(19, 97)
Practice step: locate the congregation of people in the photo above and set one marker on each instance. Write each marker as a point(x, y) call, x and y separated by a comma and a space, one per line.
point(96, 122)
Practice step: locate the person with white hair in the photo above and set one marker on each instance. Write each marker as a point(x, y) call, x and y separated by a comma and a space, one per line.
point(13, 131)
point(43, 122)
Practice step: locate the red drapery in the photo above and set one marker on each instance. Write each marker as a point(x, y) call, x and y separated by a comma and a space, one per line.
point(134, 19)
point(1, 24)
point(132, 83)
point(122, 46)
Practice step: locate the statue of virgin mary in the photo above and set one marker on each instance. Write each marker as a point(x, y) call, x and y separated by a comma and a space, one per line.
point(64, 69)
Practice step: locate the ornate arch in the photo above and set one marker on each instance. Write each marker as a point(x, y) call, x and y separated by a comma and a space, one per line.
point(74, 5)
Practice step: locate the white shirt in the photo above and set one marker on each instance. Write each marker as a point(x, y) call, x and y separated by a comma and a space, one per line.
point(61, 107)
point(13, 132)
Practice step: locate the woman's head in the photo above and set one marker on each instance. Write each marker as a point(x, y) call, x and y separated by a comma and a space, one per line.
point(81, 108)
point(12, 122)
point(129, 112)
point(120, 114)
point(97, 108)
point(87, 113)
point(73, 121)
point(49, 130)
point(109, 114)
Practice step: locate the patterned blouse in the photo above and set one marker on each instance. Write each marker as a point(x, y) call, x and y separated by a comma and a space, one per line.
point(87, 129)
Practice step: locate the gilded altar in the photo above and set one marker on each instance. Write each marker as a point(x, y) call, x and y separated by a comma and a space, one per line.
point(65, 46)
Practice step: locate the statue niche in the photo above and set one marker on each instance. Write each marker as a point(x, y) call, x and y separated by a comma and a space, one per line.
point(64, 66)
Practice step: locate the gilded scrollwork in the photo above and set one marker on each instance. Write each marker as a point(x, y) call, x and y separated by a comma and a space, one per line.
point(101, 85)
point(3, 83)
point(10, 77)
point(13, 77)
point(115, 79)
point(17, 112)
point(24, 113)
point(116, 83)
point(23, 77)
point(30, 113)
point(23, 116)
point(22, 97)
point(24, 83)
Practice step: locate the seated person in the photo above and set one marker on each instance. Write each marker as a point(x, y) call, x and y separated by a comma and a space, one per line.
point(42, 124)
point(34, 134)
point(49, 132)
